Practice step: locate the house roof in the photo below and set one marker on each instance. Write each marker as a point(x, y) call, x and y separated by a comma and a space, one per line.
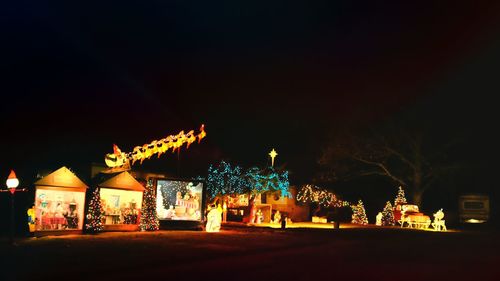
point(121, 180)
point(61, 177)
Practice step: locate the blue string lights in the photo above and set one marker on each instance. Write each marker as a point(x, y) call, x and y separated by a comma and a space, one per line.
point(225, 180)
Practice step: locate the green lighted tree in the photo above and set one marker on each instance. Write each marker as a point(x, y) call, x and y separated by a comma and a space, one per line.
point(95, 213)
point(359, 213)
point(149, 218)
point(388, 214)
point(400, 198)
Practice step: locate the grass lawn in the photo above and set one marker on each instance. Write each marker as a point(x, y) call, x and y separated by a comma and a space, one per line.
point(256, 253)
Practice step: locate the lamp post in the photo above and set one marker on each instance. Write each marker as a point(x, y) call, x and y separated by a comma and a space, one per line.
point(12, 184)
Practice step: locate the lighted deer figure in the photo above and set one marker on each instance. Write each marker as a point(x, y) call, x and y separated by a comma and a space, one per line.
point(439, 223)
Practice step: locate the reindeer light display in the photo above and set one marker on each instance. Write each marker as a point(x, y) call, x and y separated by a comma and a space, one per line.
point(119, 159)
point(439, 223)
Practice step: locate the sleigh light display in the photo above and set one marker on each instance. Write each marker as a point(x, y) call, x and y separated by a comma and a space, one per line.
point(122, 160)
point(409, 215)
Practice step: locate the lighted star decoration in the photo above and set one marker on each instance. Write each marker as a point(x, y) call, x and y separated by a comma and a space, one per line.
point(273, 155)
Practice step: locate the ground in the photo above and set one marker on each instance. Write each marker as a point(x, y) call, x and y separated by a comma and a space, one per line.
point(252, 253)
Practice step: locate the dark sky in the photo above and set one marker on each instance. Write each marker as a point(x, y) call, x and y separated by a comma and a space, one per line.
point(79, 77)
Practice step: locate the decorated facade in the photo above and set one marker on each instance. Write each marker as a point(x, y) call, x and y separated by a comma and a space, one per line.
point(121, 198)
point(59, 203)
point(253, 195)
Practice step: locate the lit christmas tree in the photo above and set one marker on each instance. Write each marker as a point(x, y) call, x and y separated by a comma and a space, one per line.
point(95, 213)
point(149, 219)
point(359, 213)
point(388, 214)
point(400, 198)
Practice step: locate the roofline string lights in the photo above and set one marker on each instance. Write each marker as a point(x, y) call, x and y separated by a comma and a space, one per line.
point(312, 193)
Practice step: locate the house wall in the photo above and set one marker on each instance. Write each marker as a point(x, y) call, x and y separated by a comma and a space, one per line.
point(296, 212)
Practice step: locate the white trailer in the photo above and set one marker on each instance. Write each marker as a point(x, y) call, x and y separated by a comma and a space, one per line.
point(474, 208)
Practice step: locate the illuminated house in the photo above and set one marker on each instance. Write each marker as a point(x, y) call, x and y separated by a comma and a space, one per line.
point(180, 203)
point(268, 203)
point(121, 200)
point(59, 203)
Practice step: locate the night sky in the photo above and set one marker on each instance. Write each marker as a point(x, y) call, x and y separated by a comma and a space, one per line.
point(279, 74)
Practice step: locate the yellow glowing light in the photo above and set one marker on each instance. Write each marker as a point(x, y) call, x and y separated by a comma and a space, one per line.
point(156, 147)
point(31, 219)
point(202, 133)
point(474, 221)
point(312, 193)
point(273, 155)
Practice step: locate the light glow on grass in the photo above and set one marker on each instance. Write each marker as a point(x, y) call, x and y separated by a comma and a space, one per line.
point(306, 225)
point(474, 221)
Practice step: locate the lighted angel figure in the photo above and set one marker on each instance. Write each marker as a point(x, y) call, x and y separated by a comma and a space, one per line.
point(378, 219)
point(214, 218)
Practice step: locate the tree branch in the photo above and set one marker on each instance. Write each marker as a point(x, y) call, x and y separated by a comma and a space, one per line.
point(381, 166)
point(401, 156)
